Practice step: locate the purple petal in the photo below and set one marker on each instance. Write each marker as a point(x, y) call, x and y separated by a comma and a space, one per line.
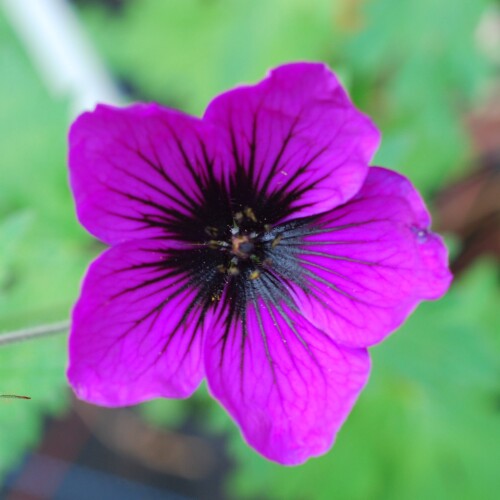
point(287, 384)
point(136, 331)
point(432, 276)
point(298, 137)
point(370, 262)
point(134, 170)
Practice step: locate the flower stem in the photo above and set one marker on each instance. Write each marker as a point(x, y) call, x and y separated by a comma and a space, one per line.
point(32, 333)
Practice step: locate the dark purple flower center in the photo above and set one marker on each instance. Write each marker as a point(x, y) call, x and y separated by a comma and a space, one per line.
point(247, 247)
point(237, 248)
point(243, 246)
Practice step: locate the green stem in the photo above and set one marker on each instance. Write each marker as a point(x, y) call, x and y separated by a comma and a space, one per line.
point(33, 333)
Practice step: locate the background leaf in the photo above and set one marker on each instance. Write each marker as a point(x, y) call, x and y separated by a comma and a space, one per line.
point(43, 251)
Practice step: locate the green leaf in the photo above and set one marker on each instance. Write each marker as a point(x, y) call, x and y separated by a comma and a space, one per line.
point(34, 369)
point(12, 230)
point(43, 251)
point(415, 68)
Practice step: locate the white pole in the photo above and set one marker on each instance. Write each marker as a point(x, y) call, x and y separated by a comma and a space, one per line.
point(62, 52)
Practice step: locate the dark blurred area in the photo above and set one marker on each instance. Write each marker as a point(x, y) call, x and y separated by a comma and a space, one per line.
point(469, 208)
point(93, 452)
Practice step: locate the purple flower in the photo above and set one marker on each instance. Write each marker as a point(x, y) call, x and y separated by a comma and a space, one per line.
point(254, 247)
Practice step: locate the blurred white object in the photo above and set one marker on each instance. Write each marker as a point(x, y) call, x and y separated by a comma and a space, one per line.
point(62, 52)
point(488, 33)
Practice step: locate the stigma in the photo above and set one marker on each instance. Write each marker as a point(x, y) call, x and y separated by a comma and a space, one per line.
point(243, 246)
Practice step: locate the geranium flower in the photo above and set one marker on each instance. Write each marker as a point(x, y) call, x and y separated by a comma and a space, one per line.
point(253, 247)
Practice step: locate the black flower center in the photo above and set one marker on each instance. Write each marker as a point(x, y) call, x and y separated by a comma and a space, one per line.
point(237, 248)
point(238, 254)
point(244, 247)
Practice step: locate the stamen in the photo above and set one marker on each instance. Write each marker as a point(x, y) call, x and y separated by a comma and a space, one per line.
point(216, 244)
point(276, 241)
point(250, 214)
point(213, 232)
point(254, 274)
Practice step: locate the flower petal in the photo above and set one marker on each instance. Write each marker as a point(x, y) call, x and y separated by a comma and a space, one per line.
point(368, 263)
point(432, 275)
point(287, 384)
point(134, 170)
point(298, 137)
point(137, 328)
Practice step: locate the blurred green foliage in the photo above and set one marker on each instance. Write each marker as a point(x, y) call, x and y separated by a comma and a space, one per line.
point(412, 65)
point(43, 251)
point(427, 424)
point(416, 68)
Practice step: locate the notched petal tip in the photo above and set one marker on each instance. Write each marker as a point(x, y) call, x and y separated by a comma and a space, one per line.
point(436, 277)
point(433, 269)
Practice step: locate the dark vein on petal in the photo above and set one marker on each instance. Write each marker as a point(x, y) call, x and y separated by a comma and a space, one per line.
point(286, 141)
point(339, 257)
point(264, 340)
point(160, 169)
point(332, 286)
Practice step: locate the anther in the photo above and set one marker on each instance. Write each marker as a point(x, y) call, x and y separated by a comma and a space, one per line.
point(276, 241)
point(216, 244)
point(254, 275)
point(212, 231)
point(250, 214)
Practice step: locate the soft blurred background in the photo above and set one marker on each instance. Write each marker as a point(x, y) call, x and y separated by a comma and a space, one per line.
point(428, 72)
